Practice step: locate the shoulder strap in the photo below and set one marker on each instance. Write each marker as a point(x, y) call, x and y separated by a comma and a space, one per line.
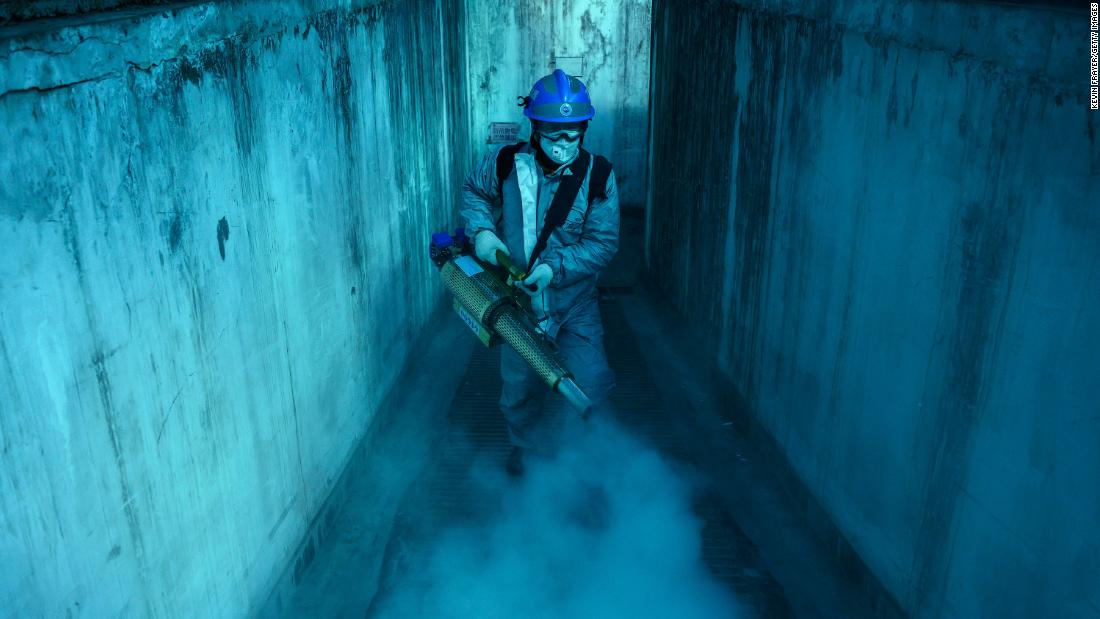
point(597, 183)
point(506, 160)
point(562, 203)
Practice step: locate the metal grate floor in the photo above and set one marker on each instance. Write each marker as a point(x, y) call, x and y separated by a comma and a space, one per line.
point(448, 495)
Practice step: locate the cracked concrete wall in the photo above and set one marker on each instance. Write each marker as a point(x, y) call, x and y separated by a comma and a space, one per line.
point(883, 215)
point(511, 44)
point(206, 288)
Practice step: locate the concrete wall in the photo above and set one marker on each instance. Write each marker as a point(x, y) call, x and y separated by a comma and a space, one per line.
point(511, 44)
point(21, 10)
point(883, 216)
point(212, 222)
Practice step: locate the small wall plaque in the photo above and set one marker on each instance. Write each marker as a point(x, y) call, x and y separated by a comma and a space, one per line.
point(572, 65)
point(503, 133)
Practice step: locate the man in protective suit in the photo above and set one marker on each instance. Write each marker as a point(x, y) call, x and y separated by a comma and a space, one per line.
point(553, 207)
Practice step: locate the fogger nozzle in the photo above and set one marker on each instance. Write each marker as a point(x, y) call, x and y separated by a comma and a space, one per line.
point(573, 394)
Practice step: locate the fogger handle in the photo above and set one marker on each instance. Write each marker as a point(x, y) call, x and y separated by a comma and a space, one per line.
point(517, 274)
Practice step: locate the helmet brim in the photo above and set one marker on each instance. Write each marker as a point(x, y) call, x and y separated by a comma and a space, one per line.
point(560, 119)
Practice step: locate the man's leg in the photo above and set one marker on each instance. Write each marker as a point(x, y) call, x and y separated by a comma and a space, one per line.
point(521, 398)
point(580, 341)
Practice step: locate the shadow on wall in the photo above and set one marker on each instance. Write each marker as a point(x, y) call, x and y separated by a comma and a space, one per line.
point(619, 133)
point(603, 529)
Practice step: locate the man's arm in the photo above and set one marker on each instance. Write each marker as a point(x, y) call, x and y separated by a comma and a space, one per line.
point(598, 243)
point(480, 207)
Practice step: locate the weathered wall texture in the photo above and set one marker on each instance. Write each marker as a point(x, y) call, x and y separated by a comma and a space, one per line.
point(511, 44)
point(22, 10)
point(885, 217)
point(211, 222)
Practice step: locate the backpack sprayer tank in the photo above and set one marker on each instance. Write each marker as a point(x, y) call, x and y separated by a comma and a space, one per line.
point(490, 308)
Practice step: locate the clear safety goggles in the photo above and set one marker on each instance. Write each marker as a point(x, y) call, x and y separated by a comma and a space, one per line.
point(554, 135)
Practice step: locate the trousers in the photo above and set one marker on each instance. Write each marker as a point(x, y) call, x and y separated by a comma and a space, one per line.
point(579, 337)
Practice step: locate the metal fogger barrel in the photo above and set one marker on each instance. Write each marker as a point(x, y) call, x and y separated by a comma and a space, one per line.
point(490, 308)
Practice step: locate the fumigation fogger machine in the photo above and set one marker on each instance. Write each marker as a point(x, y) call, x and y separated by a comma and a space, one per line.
point(487, 300)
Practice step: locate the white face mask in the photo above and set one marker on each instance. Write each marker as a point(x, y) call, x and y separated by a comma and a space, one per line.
point(562, 146)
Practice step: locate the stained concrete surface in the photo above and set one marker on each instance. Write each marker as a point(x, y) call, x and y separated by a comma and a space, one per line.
point(212, 218)
point(23, 10)
point(882, 218)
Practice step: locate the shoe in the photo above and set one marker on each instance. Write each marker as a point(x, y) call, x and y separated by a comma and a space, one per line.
point(514, 465)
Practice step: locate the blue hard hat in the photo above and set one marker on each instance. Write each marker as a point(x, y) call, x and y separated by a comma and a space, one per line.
point(558, 98)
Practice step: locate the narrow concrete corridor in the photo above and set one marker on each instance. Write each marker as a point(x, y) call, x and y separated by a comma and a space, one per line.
point(453, 495)
point(461, 491)
point(463, 486)
point(852, 313)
